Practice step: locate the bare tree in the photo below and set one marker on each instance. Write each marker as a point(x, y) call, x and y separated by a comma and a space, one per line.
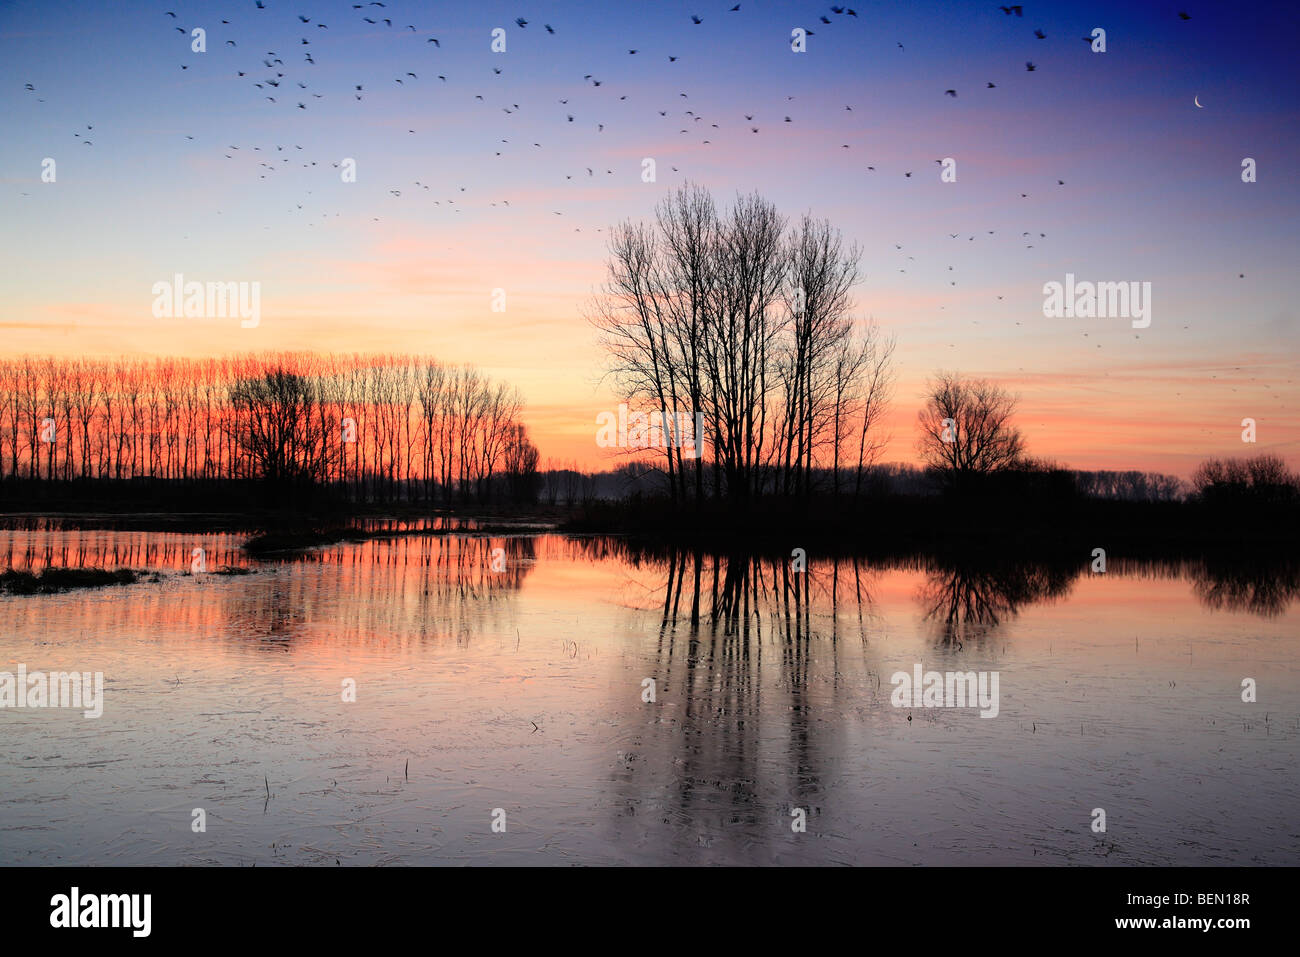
point(877, 390)
point(751, 329)
point(966, 427)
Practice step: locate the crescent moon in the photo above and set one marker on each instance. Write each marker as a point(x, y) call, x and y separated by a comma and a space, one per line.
point(1197, 100)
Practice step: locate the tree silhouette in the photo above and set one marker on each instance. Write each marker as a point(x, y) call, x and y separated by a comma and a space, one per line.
point(966, 428)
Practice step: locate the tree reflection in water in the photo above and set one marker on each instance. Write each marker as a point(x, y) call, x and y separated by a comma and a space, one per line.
point(967, 603)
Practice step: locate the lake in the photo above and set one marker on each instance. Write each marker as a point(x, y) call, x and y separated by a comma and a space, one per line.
point(503, 681)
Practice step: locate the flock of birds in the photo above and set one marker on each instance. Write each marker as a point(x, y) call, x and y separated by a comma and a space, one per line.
point(292, 87)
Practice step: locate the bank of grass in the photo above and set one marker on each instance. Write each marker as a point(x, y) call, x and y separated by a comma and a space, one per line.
point(52, 580)
point(289, 540)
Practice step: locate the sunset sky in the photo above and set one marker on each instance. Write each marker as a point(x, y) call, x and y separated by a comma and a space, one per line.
point(405, 259)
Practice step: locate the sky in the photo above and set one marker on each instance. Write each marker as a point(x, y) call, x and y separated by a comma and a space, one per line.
point(1100, 165)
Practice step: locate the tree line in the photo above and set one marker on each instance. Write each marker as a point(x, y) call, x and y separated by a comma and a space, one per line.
point(373, 427)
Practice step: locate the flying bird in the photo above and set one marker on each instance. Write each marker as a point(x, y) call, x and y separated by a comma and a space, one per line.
point(1040, 34)
point(1030, 66)
point(696, 20)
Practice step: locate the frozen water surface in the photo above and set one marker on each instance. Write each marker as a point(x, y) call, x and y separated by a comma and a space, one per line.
point(523, 690)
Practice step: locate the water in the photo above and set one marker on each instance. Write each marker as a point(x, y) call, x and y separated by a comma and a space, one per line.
point(522, 690)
